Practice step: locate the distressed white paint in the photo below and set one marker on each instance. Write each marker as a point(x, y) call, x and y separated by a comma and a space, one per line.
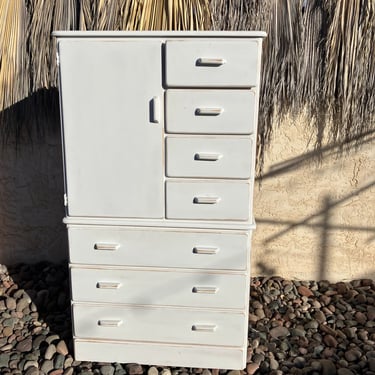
point(116, 167)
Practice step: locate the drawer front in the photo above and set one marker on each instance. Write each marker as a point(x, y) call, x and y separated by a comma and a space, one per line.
point(210, 157)
point(210, 111)
point(229, 63)
point(158, 247)
point(222, 200)
point(185, 326)
point(167, 354)
point(153, 287)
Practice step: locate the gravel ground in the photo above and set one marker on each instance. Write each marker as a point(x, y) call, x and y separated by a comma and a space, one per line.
point(295, 327)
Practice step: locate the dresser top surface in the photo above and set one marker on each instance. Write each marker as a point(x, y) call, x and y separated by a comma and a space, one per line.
point(159, 34)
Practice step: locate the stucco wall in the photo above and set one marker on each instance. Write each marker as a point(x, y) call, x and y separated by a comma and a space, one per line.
point(31, 201)
point(315, 220)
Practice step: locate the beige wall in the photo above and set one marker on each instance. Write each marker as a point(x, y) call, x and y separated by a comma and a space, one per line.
point(315, 220)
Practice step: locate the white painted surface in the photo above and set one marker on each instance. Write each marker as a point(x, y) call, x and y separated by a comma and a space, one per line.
point(160, 283)
point(159, 247)
point(156, 353)
point(209, 157)
point(159, 324)
point(163, 223)
point(231, 200)
point(238, 115)
point(159, 287)
point(238, 69)
point(113, 150)
point(160, 34)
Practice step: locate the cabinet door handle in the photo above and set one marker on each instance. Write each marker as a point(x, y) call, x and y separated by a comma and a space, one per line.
point(204, 327)
point(155, 110)
point(208, 111)
point(109, 323)
point(207, 156)
point(205, 289)
point(210, 61)
point(107, 285)
point(204, 250)
point(206, 200)
point(106, 246)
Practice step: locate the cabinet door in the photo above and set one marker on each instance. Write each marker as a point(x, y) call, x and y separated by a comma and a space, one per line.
point(111, 98)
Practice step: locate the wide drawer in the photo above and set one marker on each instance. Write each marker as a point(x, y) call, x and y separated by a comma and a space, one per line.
point(229, 63)
point(159, 287)
point(185, 326)
point(153, 353)
point(154, 247)
point(219, 200)
point(210, 111)
point(210, 157)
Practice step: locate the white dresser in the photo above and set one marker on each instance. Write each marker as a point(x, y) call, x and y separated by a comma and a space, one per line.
point(159, 137)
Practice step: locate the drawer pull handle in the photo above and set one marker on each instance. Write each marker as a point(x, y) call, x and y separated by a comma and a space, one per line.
point(106, 246)
point(205, 250)
point(204, 327)
point(209, 61)
point(205, 289)
point(108, 285)
point(155, 110)
point(206, 156)
point(109, 323)
point(209, 111)
point(206, 200)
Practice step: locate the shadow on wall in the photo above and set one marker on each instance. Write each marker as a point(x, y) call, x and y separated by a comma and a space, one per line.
point(322, 221)
point(31, 190)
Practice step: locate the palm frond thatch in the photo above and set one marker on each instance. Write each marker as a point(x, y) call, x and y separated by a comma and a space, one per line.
point(144, 15)
point(14, 68)
point(317, 58)
point(350, 66)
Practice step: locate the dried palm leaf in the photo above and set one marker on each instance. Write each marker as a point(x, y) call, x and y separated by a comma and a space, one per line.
point(45, 17)
point(14, 68)
point(349, 85)
point(13, 57)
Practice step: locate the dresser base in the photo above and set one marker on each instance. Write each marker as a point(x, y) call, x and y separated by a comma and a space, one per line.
point(157, 353)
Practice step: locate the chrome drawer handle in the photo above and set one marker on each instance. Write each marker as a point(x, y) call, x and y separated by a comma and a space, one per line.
point(210, 61)
point(109, 323)
point(108, 285)
point(207, 156)
point(206, 200)
point(209, 111)
point(205, 289)
point(106, 246)
point(205, 250)
point(204, 327)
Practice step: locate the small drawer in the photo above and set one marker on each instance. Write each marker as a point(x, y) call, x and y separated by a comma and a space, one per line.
point(219, 200)
point(209, 157)
point(184, 326)
point(210, 111)
point(229, 63)
point(153, 247)
point(158, 287)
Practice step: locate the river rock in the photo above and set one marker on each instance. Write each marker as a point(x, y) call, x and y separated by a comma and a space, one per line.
point(25, 345)
point(62, 348)
point(328, 367)
point(279, 331)
point(134, 369)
